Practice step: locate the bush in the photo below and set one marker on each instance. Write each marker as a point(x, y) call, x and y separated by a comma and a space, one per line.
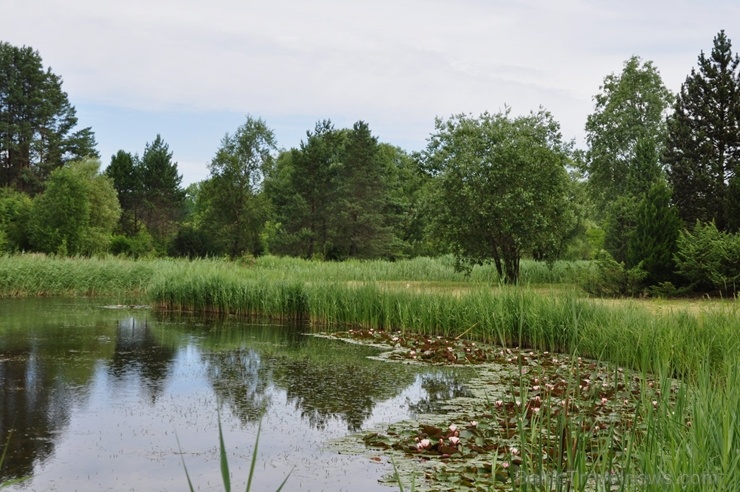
point(609, 278)
point(709, 258)
point(132, 246)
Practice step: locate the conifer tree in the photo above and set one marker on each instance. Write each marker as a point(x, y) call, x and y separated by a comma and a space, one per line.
point(37, 121)
point(703, 150)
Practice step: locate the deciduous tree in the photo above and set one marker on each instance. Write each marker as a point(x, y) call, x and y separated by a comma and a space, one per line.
point(501, 187)
point(235, 209)
point(628, 122)
point(77, 211)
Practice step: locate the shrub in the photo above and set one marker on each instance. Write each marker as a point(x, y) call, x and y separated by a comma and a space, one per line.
point(609, 278)
point(709, 258)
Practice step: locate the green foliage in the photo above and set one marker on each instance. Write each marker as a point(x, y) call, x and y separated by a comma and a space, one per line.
point(709, 258)
point(15, 211)
point(703, 149)
point(139, 245)
point(234, 210)
point(652, 244)
point(163, 196)
point(125, 173)
point(609, 278)
point(358, 222)
point(626, 132)
point(36, 121)
point(500, 188)
point(332, 196)
point(76, 213)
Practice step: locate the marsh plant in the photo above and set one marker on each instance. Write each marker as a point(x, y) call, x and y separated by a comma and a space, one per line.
point(224, 463)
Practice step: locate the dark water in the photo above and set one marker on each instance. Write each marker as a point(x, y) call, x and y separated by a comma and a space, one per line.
point(95, 399)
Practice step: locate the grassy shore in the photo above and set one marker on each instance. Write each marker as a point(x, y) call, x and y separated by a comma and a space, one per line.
point(698, 345)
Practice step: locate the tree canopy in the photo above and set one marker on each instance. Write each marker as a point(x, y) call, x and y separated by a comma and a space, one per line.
point(628, 122)
point(501, 187)
point(77, 211)
point(37, 121)
point(235, 211)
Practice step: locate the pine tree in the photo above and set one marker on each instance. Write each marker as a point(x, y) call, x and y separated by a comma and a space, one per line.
point(125, 173)
point(37, 121)
point(163, 196)
point(703, 150)
point(653, 242)
point(359, 228)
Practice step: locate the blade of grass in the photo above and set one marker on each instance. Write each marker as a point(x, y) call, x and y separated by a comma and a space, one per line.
point(254, 458)
point(225, 461)
point(187, 475)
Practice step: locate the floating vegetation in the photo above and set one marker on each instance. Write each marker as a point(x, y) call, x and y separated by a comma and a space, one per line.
point(537, 417)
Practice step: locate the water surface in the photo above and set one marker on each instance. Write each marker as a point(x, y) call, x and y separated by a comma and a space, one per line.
point(97, 398)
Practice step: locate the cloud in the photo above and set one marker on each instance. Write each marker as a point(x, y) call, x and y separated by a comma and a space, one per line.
point(396, 64)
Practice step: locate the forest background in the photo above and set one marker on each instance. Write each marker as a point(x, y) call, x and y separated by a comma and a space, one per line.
point(654, 200)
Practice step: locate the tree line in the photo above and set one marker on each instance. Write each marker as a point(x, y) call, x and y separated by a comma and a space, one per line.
point(656, 188)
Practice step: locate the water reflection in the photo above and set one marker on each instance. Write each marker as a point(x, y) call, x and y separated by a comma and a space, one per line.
point(138, 352)
point(94, 394)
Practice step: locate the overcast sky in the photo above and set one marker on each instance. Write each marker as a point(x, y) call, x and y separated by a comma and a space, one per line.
point(191, 70)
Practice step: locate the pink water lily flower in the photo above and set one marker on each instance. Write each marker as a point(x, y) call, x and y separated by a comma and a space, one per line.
point(454, 440)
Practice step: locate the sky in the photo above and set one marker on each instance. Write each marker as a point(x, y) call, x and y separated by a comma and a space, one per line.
point(192, 70)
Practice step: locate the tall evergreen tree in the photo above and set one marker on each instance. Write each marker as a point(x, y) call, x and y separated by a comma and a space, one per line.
point(125, 173)
point(703, 149)
point(37, 121)
point(653, 241)
point(307, 191)
point(359, 226)
point(163, 196)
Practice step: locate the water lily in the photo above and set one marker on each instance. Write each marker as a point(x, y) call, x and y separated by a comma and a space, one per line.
point(514, 451)
point(473, 423)
point(453, 428)
point(499, 403)
point(454, 440)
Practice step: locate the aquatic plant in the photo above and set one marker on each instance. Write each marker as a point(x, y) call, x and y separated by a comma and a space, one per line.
point(224, 462)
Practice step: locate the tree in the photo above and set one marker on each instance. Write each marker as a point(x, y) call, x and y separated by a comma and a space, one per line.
point(15, 211)
point(163, 197)
point(359, 228)
point(703, 149)
point(77, 211)
point(501, 187)
point(37, 121)
point(405, 212)
point(235, 208)
point(125, 173)
point(303, 189)
point(627, 124)
point(652, 245)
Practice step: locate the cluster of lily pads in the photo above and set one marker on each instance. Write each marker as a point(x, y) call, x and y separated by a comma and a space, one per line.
point(538, 416)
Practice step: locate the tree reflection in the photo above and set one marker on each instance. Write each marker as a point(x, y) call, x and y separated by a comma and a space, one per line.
point(139, 352)
point(240, 379)
point(440, 388)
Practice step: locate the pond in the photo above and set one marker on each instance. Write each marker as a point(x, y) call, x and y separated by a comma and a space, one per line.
point(94, 398)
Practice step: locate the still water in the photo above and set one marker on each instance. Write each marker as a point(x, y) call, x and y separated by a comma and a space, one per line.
point(96, 399)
